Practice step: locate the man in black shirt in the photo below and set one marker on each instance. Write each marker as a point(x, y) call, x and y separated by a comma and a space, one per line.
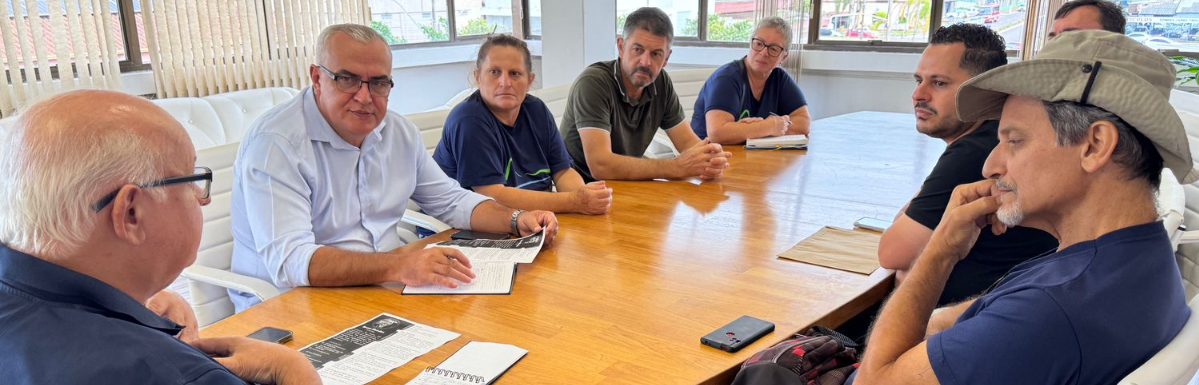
point(955, 54)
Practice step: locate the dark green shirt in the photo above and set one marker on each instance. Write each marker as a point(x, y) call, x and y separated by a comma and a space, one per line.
point(597, 101)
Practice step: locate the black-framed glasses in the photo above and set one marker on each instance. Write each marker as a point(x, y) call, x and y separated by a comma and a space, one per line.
point(351, 84)
point(773, 50)
point(202, 179)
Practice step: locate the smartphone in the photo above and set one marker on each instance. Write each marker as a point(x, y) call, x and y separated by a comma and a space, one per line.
point(269, 334)
point(878, 225)
point(737, 334)
point(467, 234)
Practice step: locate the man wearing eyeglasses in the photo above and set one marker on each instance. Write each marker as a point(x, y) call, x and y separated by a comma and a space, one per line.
point(101, 212)
point(322, 181)
point(752, 97)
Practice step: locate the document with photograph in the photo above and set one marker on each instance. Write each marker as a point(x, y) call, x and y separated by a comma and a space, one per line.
point(365, 352)
point(490, 278)
point(519, 250)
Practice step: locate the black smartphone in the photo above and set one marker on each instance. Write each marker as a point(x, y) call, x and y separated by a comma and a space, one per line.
point(269, 334)
point(467, 234)
point(737, 334)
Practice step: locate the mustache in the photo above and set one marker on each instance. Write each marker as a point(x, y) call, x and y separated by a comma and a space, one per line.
point(1005, 186)
point(927, 107)
point(646, 70)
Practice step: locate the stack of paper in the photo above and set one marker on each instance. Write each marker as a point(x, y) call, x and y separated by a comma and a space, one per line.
point(363, 353)
point(785, 142)
point(493, 261)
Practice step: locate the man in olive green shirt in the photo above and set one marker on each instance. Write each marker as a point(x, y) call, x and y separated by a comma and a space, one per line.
point(616, 107)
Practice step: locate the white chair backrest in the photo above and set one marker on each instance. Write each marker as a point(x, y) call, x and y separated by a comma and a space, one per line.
point(198, 118)
point(430, 124)
point(1187, 105)
point(1177, 362)
point(238, 110)
point(216, 245)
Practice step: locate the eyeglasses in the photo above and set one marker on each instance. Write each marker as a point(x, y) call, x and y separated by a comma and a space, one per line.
point(773, 50)
point(351, 84)
point(202, 180)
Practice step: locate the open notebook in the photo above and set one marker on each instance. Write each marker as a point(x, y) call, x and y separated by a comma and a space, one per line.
point(476, 363)
point(785, 142)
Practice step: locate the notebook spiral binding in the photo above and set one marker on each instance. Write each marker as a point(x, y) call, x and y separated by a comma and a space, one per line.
point(456, 375)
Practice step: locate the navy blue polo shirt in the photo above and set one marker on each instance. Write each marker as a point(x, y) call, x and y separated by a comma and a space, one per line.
point(62, 327)
point(478, 150)
point(728, 90)
point(1086, 315)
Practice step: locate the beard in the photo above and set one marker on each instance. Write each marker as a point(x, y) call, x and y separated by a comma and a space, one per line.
point(1010, 214)
point(637, 81)
point(946, 126)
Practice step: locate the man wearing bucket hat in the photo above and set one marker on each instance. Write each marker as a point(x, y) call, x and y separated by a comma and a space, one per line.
point(1085, 132)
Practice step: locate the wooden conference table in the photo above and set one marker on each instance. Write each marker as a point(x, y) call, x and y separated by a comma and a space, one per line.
point(625, 298)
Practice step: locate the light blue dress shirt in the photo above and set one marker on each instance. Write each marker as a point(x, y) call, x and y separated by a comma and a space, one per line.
point(298, 187)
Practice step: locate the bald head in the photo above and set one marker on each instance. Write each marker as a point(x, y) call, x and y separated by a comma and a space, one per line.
point(66, 152)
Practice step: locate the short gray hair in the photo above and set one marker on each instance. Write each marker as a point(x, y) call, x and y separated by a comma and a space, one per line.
point(360, 33)
point(779, 25)
point(53, 177)
point(650, 19)
point(1134, 151)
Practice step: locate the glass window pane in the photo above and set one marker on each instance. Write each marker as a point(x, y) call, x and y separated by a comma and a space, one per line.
point(410, 21)
point(733, 20)
point(534, 15)
point(479, 17)
point(684, 14)
point(886, 20)
point(1007, 17)
point(1168, 24)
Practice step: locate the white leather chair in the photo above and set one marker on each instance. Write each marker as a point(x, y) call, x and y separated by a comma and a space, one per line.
point(1177, 362)
point(210, 275)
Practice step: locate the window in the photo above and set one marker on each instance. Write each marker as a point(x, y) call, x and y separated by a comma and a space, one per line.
point(684, 14)
point(411, 21)
point(731, 21)
point(478, 17)
point(433, 21)
point(904, 21)
point(1164, 25)
point(127, 32)
point(1007, 17)
point(534, 17)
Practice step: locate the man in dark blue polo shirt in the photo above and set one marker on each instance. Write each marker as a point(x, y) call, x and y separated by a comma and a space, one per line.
point(1086, 130)
point(102, 211)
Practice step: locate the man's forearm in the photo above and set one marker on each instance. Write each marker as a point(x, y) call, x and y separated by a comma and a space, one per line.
point(530, 200)
point(491, 217)
point(904, 319)
point(945, 317)
point(620, 167)
point(333, 267)
point(739, 132)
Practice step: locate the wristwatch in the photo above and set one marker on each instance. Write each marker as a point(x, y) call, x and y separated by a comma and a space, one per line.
point(515, 214)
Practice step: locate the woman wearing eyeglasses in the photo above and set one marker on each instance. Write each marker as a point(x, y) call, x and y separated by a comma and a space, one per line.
point(752, 97)
point(504, 143)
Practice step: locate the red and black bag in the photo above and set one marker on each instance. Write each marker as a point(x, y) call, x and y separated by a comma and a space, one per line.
point(818, 356)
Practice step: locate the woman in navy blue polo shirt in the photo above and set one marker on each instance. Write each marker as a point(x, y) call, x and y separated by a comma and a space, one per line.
point(752, 97)
point(503, 143)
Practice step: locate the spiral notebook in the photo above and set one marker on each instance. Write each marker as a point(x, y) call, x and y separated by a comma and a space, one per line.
point(474, 364)
point(785, 142)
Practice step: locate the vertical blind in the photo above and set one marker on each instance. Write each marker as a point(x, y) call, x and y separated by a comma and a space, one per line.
point(200, 48)
point(76, 38)
point(793, 12)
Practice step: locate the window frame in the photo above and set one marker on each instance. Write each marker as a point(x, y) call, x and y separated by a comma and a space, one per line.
point(520, 27)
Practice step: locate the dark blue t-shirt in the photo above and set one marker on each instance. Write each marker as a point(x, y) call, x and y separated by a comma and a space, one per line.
point(478, 150)
point(61, 327)
point(728, 90)
point(1086, 315)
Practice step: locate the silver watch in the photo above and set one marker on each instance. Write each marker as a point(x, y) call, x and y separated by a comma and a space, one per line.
point(515, 214)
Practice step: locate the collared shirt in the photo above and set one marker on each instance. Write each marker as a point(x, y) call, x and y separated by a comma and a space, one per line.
point(598, 100)
point(299, 186)
point(58, 326)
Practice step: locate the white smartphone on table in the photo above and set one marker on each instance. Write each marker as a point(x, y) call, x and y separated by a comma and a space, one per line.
point(878, 225)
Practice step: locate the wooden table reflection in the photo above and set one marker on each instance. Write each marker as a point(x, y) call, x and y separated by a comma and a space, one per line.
point(625, 298)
